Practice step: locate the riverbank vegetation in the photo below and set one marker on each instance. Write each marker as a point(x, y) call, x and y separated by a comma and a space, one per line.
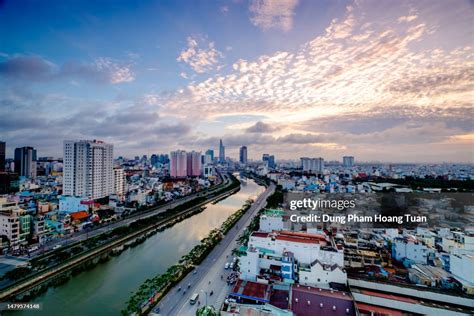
point(152, 290)
point(42, 263)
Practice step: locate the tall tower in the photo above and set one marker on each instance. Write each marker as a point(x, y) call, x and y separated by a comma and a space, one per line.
point(221, 151)
point(178, 164)
point(243, 155)
point(25, 162)
point(88, 169)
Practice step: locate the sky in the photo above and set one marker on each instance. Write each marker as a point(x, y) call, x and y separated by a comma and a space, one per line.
point(380, 80)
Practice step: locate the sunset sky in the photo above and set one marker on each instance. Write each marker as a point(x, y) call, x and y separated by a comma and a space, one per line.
point(380, 80)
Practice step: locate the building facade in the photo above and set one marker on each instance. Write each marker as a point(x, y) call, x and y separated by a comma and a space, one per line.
point(119, 181)
point(221, 151)
point(348, 161)
point(194, 165)
point(312, 165)
point(88, 169)
point(178, 164)
point(25, 162)
point(243, 155)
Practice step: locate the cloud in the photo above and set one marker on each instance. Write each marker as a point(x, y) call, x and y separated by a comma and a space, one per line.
point(260, 127)
point(361, 82)
point(225, 9)
point(131, 125)
point(36, 68)
point(268, 14)
point(407, 18)
point(201, 60)
point(27, 67)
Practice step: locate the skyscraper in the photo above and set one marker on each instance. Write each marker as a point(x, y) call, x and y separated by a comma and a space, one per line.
point(221, 152)
point(178, 164)
point(348, 161)
point(209, 157)
point(88, 169)
point(2, 156)
point(194, 167)
point(269, 160)
point(312, 164)
point(119, 181)
point(25, 162)
point(243, 155)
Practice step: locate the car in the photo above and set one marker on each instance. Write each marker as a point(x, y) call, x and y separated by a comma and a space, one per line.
point(194, 298)
point(226, 266)
point(231, 265)
point(57, 247)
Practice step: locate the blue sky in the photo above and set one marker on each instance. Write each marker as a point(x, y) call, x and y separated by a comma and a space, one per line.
point(288, 77)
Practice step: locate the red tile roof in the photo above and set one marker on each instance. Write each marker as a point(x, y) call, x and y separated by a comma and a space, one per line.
point(79, 215)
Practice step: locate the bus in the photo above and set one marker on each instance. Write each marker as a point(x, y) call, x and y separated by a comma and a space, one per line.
point(194, 298)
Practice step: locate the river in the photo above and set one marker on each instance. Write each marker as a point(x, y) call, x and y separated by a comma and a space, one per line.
point(105, 289)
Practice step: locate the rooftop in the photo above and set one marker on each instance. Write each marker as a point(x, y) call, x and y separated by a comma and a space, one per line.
point(308, 301)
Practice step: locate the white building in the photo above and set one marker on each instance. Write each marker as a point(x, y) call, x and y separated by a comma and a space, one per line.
point(312, 164)
point(119, 181)
point(458, 242)
point(88, 169)
point(208, 171)
point(10, 224)
point(271, 220)
point(306, 248)
point(257, 259)
point(462, 267)
point(320, 275)
point(415, 251)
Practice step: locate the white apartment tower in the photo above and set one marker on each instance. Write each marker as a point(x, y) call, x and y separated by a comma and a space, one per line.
point(88, 169)
point(119, 181)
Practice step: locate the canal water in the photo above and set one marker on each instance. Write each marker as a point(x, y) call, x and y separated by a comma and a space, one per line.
point(105, 289)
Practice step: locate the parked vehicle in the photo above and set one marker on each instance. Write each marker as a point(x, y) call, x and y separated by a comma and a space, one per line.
point(226, 266)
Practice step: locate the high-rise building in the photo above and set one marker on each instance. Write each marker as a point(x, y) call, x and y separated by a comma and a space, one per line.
point(88, 169)
point(209, 156)
point(221, 151)
point(178, 164)
point(243, 155)
point(154, 160)
point(348, 161)
point(25, 162)
point(2, 155)
point(269, 160)
point(312, 164)
point(119, 181)
point(194, 167)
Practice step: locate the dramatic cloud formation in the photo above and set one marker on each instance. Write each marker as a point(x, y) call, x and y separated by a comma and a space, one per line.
point(390, 81)
point(260, 127)
point(268, 14)
point(200, 59)
point(36, 68)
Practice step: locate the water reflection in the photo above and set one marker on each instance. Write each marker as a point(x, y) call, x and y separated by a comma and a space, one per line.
point(105, 289)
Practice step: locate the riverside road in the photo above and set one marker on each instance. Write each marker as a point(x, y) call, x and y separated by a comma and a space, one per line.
point(207, 276)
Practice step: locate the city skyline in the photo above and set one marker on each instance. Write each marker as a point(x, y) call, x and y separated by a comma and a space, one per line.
point(387, 82)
